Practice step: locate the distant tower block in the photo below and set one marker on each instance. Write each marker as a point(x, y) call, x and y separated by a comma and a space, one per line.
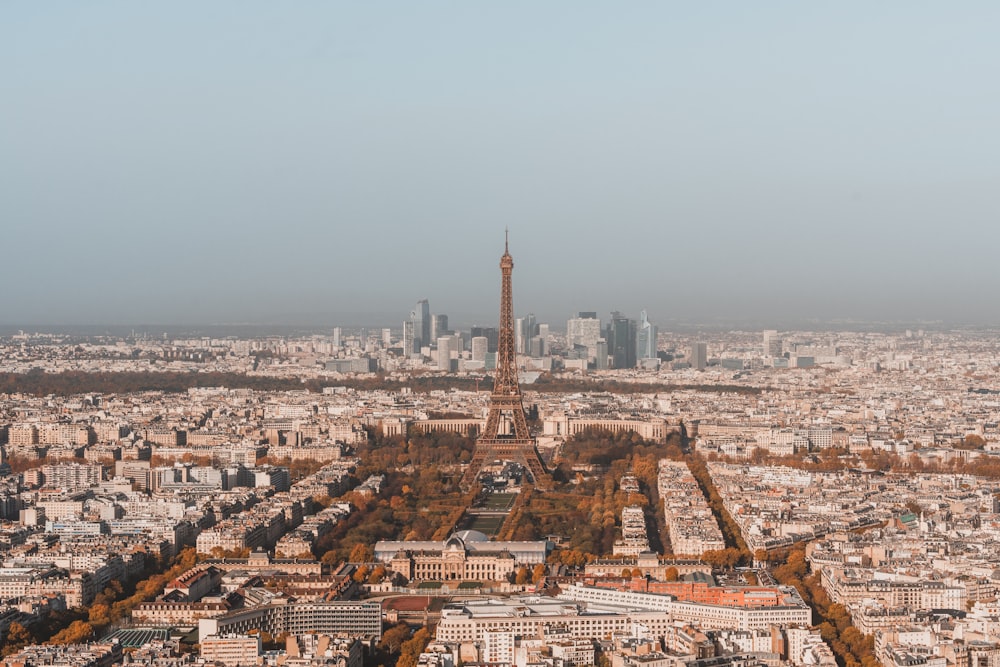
point(506, 436)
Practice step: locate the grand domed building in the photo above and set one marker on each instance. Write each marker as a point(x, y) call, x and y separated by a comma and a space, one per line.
point(465, 556)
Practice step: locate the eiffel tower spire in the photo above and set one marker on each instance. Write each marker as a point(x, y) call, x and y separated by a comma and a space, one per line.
point(506, 435)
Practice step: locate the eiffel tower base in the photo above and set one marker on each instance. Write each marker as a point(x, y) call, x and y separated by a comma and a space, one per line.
point(518, 451)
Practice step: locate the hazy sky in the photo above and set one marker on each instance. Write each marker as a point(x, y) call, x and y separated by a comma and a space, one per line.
point(185, 162)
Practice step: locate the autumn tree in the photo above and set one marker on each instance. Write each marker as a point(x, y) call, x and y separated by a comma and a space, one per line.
point(17, 638)
point(78, 632)
point(413, 647)
point(377, 574)
point(722, 558)
point(393, 638)
point(971, 441)
point(99, 614)
point(362, 553)
point(569, 557)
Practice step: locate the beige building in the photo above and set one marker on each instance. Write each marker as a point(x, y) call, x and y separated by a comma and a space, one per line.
point(64, 434)
point(235, 650)
point(454, 563)
point(566, 426)
point(465, 556)
point(176, 613)
point(22, 435)
point(648, 563)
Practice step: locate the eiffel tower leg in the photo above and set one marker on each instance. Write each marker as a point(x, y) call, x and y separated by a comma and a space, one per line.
point(475, 466)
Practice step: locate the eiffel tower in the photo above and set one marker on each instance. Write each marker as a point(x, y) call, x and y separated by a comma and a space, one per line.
point(506, 436)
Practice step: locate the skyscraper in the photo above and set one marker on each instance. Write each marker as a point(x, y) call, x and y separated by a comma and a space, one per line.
point(584, 331)
point(542, 339)
point(421, 318)
point(439, 326)
point(525, 328)
point(601, 357)
point(645, 342)
point(491, 335)
point(480, 346)
point(621, 341)
point(409, 344)
point(699, 356)
point(444, 346)
point(772, 344)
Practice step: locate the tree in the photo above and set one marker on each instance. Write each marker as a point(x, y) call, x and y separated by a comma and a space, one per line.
point(393, 638)
point(413, 647)
point(722, 558)
point(17, 638)
point(521, 577)
point(972, 441)
point(99, 614)
point(77, 633)
point(671, 574)
point(538, 573)
point(361, 553)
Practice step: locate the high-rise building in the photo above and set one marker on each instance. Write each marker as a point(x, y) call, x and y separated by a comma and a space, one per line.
point(645, 342)
point(621, 341)
point(421, 318)
point(543, 341)
point(444, 347)
point(536, 347)
point(601, 356)
point(409, 343)
point(490, 333)
point(772, 344)
point(480, 346)
point(439, 326)
point(525, 328)
point(386, 337)
point(337, 335)
point(699, 356)
point(584, 332)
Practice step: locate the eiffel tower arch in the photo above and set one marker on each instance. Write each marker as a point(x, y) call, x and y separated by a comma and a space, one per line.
point(506, 435)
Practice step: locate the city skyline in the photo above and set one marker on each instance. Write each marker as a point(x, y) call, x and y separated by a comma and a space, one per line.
point(737, 408)
point(773, 163)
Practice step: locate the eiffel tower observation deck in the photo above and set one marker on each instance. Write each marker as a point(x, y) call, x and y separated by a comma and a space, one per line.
point(506, 436)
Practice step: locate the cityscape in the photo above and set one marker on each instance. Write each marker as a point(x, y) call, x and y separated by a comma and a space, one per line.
point(560, 334)
point(515, 494)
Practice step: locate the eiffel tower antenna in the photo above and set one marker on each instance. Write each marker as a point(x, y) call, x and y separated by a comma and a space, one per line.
point(506, 435)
